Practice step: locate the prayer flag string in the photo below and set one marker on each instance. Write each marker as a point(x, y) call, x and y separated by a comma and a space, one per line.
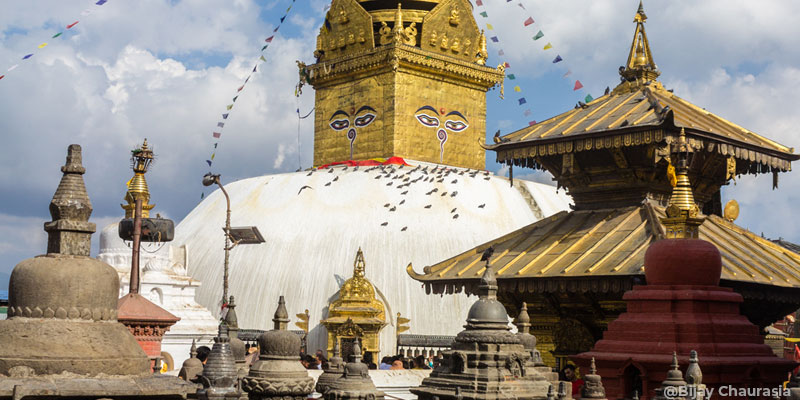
point(217, 133)
point(85, 12)
point(526, 22)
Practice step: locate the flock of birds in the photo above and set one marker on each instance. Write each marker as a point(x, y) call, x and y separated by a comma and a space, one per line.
point(400, 178)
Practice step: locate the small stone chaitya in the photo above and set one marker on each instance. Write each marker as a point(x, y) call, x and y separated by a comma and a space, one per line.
point(62, 337)
point(486, 361)
point(278, 373)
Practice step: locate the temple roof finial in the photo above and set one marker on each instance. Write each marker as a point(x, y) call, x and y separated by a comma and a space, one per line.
point(683, 219)
point(640, 66)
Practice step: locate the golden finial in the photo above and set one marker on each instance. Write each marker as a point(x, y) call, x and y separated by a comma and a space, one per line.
point(682, 220)
point(398, 25)
point(640, 15)
point(141, 159)
point(358, 265)
point(483, 53)
point(640, 65)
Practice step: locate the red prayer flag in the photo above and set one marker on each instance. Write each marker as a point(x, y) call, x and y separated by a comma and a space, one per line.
point(72, 24)
point(507, 65)
point(528, 21)
point(531, 123)
point(240, 88)
point(577, 85)
point(269, 39)
point(217, 135)
point(479, 2)
point(2, 76)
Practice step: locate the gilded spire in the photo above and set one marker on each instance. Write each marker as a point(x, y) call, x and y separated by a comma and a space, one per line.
point(398, 25)
point(141, 159)
point(682, 220)
point(640, 65)
point(483, 53)
point(358, 265)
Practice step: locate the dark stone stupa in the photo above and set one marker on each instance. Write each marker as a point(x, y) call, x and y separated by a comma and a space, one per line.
point(486, 360)
point(62, 338)
point(278, 373)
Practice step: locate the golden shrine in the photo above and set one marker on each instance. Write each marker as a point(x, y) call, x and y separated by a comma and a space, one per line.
point(403, 79)
point(613, 157)
point(356, 315)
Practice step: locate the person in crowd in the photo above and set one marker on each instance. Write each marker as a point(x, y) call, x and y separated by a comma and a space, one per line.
point(386, 363)
point(568, 374)
point(368, 360)
point(252, 355)
point(396, 365)
point(322, 361)
point(419, 362)
point(202, 353)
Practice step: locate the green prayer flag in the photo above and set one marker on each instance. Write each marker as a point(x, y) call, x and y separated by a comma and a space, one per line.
point(588, 98)
point(538, 36)
point(234, 99)
point(265, 47)
point(57, 35)
point(511, 76)
point(484, 15)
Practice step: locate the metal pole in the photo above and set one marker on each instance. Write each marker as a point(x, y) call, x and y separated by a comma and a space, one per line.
point(137, 240)
point(227, 243)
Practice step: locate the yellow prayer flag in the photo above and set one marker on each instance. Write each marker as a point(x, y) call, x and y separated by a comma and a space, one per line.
point(212, 156)
point(42, 45)
point(548, 46)
point(229, 106)
point(517, 89)
point(489, 27)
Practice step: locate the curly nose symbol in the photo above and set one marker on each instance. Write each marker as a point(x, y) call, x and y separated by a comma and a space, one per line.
point(442, 135)
point(351, 134)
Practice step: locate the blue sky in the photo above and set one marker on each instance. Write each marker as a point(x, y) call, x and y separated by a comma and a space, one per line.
point(166, 69)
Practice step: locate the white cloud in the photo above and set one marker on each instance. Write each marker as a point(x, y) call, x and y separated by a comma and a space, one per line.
point(166, 70)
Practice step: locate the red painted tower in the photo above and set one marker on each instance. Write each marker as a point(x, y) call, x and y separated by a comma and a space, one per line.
point(146, 321)
point(683, 308)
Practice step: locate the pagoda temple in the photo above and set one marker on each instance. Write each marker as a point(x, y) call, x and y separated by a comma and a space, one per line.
point(613, 157)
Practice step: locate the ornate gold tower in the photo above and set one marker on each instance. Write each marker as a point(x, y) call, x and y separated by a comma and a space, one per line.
point(406, 81)
point(141, 159)
point(356, 315)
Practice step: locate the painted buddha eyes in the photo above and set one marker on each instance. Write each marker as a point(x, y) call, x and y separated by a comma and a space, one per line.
point(340, 124)
point(364, 120)
point(429, 116)
point(427, 120)
point(340, 120)
point(455, 125)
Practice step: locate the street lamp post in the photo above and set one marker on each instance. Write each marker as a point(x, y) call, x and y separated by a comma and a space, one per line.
point(243, 235)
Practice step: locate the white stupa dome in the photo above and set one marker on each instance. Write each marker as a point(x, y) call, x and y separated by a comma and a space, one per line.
point(314, 223)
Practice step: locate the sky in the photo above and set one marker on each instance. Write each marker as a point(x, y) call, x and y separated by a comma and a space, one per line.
point(166, 69)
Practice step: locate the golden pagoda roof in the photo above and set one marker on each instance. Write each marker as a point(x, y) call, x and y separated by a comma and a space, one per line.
point(612, 242)
point(640, 104)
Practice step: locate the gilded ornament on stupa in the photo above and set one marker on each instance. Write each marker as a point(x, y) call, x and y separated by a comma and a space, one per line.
point(141, 159)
